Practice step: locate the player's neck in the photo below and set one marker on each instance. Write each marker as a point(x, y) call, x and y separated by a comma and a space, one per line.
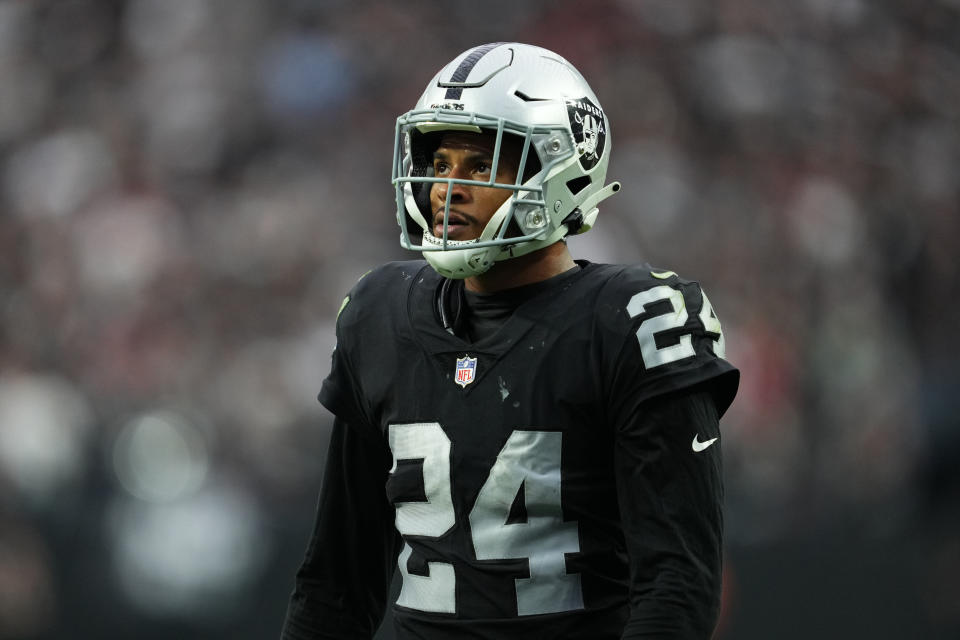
point(516, 272)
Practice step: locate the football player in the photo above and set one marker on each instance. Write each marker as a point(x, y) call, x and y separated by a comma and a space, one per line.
point(532, 441)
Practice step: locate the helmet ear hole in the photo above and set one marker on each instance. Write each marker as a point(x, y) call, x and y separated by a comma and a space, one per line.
point(578, 184)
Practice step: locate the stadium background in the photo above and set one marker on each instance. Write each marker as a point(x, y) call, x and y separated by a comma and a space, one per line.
point(188, 187)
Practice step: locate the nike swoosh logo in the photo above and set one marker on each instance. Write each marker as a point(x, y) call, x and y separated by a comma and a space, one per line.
point(700, 446)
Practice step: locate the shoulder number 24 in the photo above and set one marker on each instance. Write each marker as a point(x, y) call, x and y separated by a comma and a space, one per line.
point(649, 328)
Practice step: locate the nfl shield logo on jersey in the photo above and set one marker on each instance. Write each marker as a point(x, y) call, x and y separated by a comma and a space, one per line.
point(466, 370)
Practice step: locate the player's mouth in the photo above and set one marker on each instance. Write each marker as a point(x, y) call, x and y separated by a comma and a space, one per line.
point(458, 226)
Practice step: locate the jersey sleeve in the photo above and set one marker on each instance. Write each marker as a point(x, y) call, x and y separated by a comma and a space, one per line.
point(668, 384)
point(342, 585)
point(670, 497)
point(662, 335)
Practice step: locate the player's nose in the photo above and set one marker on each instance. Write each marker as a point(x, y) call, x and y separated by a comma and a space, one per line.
point(459, 192)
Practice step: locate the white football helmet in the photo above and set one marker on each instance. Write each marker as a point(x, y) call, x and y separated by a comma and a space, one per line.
point(510, 89)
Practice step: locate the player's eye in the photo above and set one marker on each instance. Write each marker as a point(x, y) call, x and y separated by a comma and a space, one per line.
point(440, 167)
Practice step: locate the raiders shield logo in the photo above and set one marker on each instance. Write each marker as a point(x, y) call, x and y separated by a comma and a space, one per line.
point(589, 130)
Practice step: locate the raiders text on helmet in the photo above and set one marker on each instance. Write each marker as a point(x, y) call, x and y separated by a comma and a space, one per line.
point(509, 89)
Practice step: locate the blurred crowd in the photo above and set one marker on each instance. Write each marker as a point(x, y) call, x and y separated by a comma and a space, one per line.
point(189, 187)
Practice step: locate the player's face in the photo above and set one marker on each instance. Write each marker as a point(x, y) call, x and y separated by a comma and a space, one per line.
point(469, 156)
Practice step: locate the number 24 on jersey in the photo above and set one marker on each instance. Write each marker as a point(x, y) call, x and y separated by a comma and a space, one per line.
point(529, 461)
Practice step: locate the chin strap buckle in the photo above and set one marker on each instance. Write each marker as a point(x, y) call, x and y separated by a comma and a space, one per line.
point(574, 221)
point(577, 221)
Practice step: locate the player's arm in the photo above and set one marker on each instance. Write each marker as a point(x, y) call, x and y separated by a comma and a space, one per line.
point(342, 586)
point(670, 493)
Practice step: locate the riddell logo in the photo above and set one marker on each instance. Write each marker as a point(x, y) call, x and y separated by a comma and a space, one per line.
point(454, 106)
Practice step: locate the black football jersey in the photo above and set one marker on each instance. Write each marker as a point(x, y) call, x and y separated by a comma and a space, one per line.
point(503, 450)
